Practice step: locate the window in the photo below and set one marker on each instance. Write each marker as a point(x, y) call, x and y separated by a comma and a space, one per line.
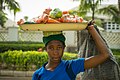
point(109, 26)
point(109, 22)
point(117, 27)
point(113, 23)
point(113, 26)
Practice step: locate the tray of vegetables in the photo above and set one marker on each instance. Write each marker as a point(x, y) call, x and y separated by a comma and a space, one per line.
point(54, 20)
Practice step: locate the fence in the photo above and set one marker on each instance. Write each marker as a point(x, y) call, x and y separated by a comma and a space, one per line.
point(113, 39)
point(13, 34)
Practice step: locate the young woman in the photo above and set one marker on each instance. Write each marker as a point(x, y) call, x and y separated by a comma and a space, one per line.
point(58, 69)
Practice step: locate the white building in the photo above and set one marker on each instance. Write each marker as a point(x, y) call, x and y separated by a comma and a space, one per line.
point(111, 26)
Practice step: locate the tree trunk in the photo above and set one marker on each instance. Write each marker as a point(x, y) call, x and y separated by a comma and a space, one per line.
point(93, 13)
point(93, 10)
point(1, 6)
point(119, 6)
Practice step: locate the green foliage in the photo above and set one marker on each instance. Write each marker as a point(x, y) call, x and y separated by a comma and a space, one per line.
point(28, 60)
point(11, 5)
point(32, 60)
point(116, 51)
point(19, 60)
point(117, 57)
point(24, 46)
point(89, 5)
point(26, 18)
point(3, 19)
point(69, 56)
point(110, 10)
point(98, 21)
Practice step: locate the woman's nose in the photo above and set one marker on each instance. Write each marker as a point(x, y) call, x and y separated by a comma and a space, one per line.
point(56, 51)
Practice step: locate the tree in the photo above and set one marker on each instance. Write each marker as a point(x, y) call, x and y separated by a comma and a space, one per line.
point(89, 5)
point(119, 11)
point(26, 18)
point(11, 5)
point(92, 5)
point(119, 6)
point(3, 18)
point(111, 10)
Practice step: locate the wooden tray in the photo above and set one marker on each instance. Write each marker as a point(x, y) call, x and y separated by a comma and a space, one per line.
point(54, 26)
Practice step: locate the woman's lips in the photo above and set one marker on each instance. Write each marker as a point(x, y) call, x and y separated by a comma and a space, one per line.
point(57, 58)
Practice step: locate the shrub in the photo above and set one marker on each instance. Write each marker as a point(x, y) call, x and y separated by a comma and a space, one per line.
point(28, 60)
point(117, 59)
point(116, 51)
point(69, 56)
point(24, 46)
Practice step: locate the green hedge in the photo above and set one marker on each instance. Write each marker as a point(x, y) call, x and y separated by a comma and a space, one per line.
point(29, 60)
point(24, 46)
point(116, 51)
point(117, 59)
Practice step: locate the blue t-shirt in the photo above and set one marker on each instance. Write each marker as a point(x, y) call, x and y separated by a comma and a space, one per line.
point(59, 72)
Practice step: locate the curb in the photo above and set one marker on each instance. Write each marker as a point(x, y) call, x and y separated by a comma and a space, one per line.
point(16, 73)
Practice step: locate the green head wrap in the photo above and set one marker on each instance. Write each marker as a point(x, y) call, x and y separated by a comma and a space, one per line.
point(59, 37)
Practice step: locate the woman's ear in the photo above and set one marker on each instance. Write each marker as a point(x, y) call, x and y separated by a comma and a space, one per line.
point(64, 47)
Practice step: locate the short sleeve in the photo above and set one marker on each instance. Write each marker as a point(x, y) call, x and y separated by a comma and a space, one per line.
point(35, 75)
point(78, 65)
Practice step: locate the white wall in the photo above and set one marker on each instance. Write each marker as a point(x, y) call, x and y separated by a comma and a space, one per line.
point(70, 38)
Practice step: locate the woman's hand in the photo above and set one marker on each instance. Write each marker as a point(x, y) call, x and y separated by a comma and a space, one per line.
point(91, 22)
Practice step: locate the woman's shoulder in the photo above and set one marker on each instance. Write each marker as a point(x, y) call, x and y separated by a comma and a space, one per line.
point(38, 70)
point(73, 60)
point(41, 69)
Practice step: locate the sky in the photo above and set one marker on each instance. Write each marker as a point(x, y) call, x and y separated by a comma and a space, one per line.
point(34, 8)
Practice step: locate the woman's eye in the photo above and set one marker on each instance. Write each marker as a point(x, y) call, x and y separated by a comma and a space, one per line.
point(59, 48)
point(51, 48)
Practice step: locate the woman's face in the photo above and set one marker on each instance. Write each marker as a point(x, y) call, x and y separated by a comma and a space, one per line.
point(55, 50)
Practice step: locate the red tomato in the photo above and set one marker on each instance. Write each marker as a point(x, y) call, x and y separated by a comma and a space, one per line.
point(81, 19)
point(18, 22)
point(65, 12)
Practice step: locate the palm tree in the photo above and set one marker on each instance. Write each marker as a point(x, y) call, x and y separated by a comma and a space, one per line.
point(119, 10)
point(118, 21)
point(92, 5)
point(119, 6)
point(111, 10)
point(89, 5)
point(11, 5)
